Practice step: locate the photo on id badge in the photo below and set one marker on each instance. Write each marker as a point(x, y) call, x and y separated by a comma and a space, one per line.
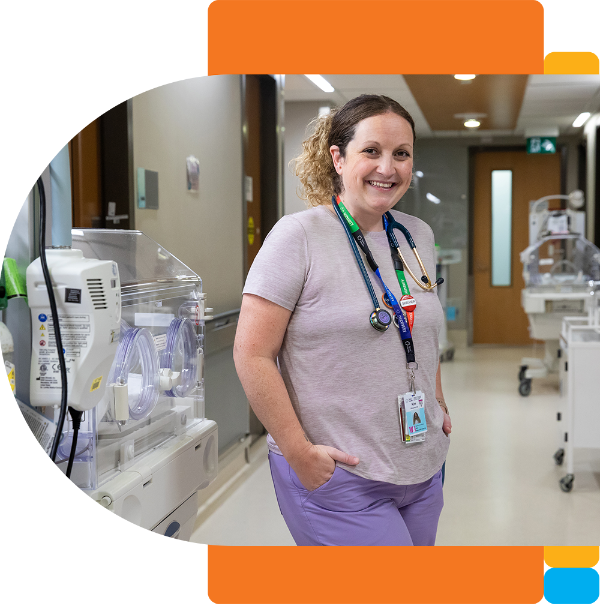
point(415, 417)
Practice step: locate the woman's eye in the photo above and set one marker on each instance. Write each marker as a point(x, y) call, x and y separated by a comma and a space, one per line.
point(370, 151)
point(403, 153)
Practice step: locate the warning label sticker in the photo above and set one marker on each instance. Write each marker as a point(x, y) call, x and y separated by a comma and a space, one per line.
point(96, 384)
point(43, 429)
point(160, 341)
point(75, 334)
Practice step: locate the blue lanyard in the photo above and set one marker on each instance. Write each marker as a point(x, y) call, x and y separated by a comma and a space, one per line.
point(401, 322)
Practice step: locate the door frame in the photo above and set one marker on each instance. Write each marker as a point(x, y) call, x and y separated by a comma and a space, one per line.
point(561, 149)
point(272, 131)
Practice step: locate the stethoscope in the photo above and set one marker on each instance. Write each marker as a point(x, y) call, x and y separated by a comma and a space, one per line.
point(380, 319)
point(389, 224)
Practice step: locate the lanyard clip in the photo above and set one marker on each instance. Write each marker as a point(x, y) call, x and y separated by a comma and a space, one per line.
point(411, 374)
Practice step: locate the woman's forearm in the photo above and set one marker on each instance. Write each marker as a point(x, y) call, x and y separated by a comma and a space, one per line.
point(438, 383)
point(439, 395)
point(269, 399)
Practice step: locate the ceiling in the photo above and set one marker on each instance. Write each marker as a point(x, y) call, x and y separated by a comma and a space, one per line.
point(512, 105)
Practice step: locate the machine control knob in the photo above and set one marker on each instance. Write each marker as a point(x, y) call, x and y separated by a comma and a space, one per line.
point(105, 502)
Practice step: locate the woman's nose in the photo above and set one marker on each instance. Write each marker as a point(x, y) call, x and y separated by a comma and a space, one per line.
point(386, 166)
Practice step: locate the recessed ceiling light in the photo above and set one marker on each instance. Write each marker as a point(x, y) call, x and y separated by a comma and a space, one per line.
point(433, 198)
point(321, 82)
point(472, 124)
point(582, 119)
point(419, 174)
point(464, 76)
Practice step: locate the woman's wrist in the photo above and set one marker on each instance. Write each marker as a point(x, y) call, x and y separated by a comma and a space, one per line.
point(442, 404)
point(298, 450)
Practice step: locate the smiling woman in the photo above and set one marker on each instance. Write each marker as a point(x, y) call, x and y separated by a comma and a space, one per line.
point(358, 431)
point(376, 167)
point(320, 178)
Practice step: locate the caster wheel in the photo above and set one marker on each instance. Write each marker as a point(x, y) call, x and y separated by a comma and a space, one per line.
point(522, 372)
point(450, 355)
point(559, 457)
point(566, 483)
point(525, 387)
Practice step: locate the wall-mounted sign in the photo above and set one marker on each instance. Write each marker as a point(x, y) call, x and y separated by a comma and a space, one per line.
point(251, 230)
point(147, 189)
point(541, 144)
point(193, 174)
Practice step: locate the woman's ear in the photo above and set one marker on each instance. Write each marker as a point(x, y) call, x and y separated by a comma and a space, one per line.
point(336, 156)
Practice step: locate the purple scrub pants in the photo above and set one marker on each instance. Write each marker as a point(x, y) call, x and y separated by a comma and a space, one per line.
point(351, 510)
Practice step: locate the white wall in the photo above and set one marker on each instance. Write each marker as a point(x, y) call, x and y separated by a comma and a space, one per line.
point(297, 117)
point(200, 117)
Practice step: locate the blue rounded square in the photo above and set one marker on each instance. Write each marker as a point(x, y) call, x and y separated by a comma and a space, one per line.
point(571, 586)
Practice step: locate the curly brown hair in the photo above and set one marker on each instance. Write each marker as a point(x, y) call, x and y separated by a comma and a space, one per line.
point(314, 166)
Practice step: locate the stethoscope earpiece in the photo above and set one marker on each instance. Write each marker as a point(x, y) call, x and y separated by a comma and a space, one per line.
point(380, 319)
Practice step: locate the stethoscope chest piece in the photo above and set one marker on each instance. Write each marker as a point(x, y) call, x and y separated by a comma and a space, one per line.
point(380, 319)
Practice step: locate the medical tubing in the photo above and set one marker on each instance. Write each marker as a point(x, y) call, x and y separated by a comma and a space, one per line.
point(142, 339)
point(55, 321)
point(389, 229)
point(389, 224)
point(181, 328)
point(398, 265)
point(393, 224)
point(361, 264)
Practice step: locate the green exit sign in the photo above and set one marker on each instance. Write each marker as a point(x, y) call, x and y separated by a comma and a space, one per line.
point(541, 144)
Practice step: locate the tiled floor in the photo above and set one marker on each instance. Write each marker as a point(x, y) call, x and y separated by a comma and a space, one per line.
point(501, 480)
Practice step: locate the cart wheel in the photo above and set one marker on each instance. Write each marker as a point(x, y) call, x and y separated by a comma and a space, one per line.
point(525, 387)
point(522, 372)
point(559, 457)
point(566, 483)
point(450, 354)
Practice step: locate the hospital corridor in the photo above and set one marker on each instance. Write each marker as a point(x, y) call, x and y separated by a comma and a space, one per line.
point(201, 260)
point(501, 479)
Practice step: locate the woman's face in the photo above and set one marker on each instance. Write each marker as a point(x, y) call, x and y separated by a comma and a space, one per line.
point(377, 169)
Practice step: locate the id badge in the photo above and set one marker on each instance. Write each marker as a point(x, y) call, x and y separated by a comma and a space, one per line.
point(412, 417)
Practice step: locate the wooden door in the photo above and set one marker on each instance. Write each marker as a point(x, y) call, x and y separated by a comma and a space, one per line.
point(498, 317)
point(84, 153)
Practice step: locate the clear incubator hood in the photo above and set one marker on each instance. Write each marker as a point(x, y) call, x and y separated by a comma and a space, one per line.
point(155, 388)
point(561, 263)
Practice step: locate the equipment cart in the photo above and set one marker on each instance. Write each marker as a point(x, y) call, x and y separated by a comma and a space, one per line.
point(579, 402)
point(444, 259)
